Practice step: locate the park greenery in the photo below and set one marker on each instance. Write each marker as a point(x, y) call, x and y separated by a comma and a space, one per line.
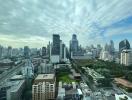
point(106, 68)
point(109, 70)
point(62, 75)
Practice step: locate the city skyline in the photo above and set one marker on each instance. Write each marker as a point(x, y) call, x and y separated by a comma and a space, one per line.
point(66, 50)
point(90, 20)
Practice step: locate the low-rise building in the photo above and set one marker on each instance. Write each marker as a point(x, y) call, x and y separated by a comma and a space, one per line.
point(61, 92)
point(122, 97)
point(16, 90)
point(13, 89)
point(123, 83)
point(45, 68)
point(55, 58)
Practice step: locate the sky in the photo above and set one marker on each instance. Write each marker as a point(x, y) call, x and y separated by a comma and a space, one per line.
point(32, 22)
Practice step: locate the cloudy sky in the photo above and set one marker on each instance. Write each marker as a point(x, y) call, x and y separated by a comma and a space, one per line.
point(32, 22)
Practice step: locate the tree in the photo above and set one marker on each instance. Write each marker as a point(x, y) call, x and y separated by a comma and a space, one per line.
point(106, 82)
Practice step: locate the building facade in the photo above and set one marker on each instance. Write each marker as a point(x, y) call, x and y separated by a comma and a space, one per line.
point(44, 87)
point(126, 57)
point(124, 44)
point(45, 68)
point(26, 51)
point(56, 44)
point(43, 51)
point(9, 51)
point(1, 51)
point(74, 44)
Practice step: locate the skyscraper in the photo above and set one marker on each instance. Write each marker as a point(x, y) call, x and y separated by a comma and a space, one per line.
point(124, 44)
point(63, 52)
point(111, 48)
point(9, 51)
point(26, 51)
point(1, 51)
point(99, 48)
point(48, 50)
point(74, 44)
point(43, 51)
point(106, 48)
point(56, 44)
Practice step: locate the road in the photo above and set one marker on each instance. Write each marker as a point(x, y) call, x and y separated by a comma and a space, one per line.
point(8, 74)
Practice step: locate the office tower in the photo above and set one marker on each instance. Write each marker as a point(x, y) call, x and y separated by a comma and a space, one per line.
point(126, 57)
point(43, 87)
point(61, 49)
point(99, 48)
point(124, 44)
point(26, 51)
point(16, 52)
point(43, 51)
point(67, 53)
point(49, 50)
point(111, 48)
point(1, 51)
point(92, 46)
point(9, 51)
point(63, 52)
point(56, 44)
point(74, 44)
point(106, 48)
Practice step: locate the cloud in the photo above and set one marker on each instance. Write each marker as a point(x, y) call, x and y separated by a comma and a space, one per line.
point(32, 41)
point(39, 19)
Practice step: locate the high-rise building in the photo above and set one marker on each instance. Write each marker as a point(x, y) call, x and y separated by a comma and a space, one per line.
point(124, 44)
point(61, 49)
point(48, 53)
point(16, 52)
point(99, 48)
point(43, 51)
point(56, 44)
point(1, 51)
point(111, 48)
point(74, 44)
point(9, 51)
point(26, 51)
point(43, 87)
point(62, 52)
point(126, 57)
point(106, 48)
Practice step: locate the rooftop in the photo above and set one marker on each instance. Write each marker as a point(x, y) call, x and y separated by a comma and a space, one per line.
point(17, 77)
point(45, 76)
point(122, 97)
point(15, 85)
point(123, 82)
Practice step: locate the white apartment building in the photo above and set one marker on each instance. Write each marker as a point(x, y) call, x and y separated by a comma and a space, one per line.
point(44, 87)
point(126, 57)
